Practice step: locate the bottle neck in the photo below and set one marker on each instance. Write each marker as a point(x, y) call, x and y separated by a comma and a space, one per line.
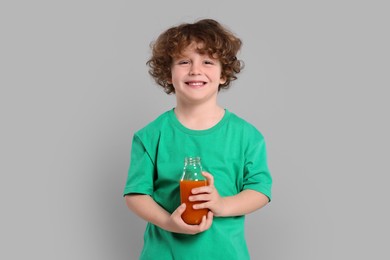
point(192, 169)
point(192, 160)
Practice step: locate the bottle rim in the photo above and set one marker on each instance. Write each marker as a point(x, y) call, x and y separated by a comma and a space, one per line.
point(191, 158)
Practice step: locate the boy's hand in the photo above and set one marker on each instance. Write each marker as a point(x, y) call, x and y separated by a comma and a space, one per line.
point(177, 225)
point(208, 196)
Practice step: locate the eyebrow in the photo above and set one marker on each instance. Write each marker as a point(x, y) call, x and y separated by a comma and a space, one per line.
point(181, 56)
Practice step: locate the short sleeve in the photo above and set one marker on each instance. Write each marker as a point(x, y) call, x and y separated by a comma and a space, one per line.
point(141, 170)
point(256, 173)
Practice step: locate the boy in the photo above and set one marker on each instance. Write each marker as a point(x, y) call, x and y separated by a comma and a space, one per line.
point(194, 62)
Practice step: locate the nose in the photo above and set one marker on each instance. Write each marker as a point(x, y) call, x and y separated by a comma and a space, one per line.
point(194, 69)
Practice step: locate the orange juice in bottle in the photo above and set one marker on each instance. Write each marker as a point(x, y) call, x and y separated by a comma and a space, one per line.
point(192, 177)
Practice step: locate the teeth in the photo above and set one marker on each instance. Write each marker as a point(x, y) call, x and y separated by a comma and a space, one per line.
point(195, 83)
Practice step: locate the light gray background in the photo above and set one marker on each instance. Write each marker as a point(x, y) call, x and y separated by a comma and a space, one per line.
point(74, 88)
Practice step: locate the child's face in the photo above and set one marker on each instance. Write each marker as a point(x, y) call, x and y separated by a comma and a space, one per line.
point(196, 77)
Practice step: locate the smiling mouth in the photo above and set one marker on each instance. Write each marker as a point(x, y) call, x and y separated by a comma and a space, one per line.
point(196, 84)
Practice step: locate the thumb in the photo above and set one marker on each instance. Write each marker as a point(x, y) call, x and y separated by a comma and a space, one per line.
point(181, 208)
point(209, 177)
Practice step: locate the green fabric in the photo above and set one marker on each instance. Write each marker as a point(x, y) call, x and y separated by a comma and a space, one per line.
point(233, 151)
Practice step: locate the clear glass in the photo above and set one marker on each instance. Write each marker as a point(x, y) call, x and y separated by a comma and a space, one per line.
point(192, 178)
point(192, 169)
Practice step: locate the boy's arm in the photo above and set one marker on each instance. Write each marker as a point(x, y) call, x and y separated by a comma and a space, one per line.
point(146, 208)
point(243, 203)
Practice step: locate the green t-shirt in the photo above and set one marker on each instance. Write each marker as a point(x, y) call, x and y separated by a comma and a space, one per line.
point(233, 151)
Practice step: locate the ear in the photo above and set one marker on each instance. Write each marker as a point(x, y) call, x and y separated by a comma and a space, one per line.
point(222, 80)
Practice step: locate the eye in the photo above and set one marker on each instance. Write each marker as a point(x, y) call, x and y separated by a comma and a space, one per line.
point(208, 62)
point(183, 62)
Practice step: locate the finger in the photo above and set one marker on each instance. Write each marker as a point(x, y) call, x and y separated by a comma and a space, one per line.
point(202, 224)
point(195, 229)
point(209, 220)
point(203, 189)
point(210, 216)
point(200, 205)
point(200, 197)
point(209, 178)
point(181, 209)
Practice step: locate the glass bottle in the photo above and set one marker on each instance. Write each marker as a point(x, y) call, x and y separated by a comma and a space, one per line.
point(192, 177)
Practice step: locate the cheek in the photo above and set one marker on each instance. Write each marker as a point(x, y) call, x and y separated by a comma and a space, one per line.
point(170, 77)
point(177, 74)
point(222, 78)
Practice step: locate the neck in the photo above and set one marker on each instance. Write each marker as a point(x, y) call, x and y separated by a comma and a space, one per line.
point(199, 117)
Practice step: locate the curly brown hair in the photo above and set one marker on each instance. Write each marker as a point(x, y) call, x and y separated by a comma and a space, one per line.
point(216, 41)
